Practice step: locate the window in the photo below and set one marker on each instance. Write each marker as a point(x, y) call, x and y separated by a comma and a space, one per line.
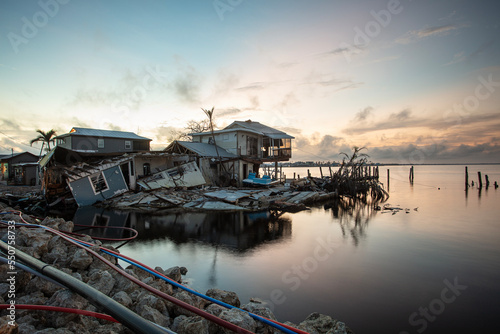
point(100, 143)
point(98, 182)
point(128, 145)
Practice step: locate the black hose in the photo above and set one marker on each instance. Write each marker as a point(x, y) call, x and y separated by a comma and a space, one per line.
point(130, 319)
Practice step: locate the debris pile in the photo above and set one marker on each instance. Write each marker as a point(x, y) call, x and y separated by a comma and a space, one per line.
point(285, 198)
point(59, 253)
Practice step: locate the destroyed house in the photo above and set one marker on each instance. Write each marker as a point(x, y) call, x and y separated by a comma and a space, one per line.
point(88, 178)
point(250, 140)
point(102, 141)
point(207, 156)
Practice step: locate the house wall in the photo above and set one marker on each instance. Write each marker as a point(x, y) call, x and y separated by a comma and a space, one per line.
point(83, 192)
point(7, 164)
point(111, 145)
point(157, 163)
point(233, 142)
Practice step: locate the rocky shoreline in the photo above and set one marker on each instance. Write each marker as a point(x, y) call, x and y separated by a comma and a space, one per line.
point(58, 253)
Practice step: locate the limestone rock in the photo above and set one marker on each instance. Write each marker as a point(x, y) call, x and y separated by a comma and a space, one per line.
point(102, 281)
point(227, 297)
point(191, 325)
point(317, 323)
point(81, 259)
point(123, 298)
point(239, 318)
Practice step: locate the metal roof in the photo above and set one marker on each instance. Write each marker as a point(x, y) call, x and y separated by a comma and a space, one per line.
point(256, 126)
point(9, 156)
point(102, 133)
point(205, 149)
point(250, 126)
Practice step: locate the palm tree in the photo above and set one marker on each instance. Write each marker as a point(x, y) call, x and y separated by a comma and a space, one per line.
point(44, 137)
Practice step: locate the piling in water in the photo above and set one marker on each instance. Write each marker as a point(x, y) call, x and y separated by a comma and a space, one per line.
point(480, 180)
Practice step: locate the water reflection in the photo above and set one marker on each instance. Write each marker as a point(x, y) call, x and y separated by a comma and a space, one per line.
point(235, 230)
point(353, 216)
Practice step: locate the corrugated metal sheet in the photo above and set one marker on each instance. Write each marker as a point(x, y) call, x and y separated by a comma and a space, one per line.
point(102, 133)
point(264, 129)
point(206, 150)
point(253, 127)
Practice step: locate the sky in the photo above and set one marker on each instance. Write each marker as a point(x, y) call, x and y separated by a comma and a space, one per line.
point(412, 81)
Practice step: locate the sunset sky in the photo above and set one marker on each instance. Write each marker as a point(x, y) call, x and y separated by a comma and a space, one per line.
point(413, 81)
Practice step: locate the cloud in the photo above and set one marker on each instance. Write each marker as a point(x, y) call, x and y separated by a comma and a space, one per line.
point(457, 58)
point(362, 115)
point(187, 84)
point(11, 125)
point(416, 35)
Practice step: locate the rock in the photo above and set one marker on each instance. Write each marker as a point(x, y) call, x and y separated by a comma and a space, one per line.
point(58, 224)
point(187, 298)
point(174, 273)
point(38, 284)
point(124, 284)
point(65, 298)
point(317, 323)
point(239, 318)
point(260, 310)
point(150, 300)
point(123, 298)
point(81, 260)
point(192, 325)
point(227, 297)
point(149, 313)
point(34, 241)
point(6, 328)
point(102, 281)
point(183, 270)
point(340, 328)
point(216, 310)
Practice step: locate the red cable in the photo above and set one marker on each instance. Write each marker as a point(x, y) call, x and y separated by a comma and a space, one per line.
point(165, 296)
point(60, 309)
point(298, 331)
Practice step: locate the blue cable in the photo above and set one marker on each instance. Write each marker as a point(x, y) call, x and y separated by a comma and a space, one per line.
point(213, 300)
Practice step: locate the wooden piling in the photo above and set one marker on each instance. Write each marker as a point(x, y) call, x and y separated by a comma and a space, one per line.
point(308, 173)
point(294, 175)
point(320, 171)
point(331, 174)
point(388, 177)
point(480, 180)
point(466, 178)
point(487, 181)
point(411, 174)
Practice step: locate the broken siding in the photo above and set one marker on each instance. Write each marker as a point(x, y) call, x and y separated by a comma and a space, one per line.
point(85, 193)
point(186, 175)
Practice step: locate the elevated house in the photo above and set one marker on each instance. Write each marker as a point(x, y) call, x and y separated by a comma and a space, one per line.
point(252, 142)
point(102, 141)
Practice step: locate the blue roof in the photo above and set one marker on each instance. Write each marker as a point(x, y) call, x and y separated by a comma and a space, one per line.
point(102, 133)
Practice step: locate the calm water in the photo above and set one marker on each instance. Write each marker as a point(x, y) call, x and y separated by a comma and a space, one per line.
point(435, 269)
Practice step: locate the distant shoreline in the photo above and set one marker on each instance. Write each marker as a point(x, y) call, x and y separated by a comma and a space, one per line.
point(388, 164)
